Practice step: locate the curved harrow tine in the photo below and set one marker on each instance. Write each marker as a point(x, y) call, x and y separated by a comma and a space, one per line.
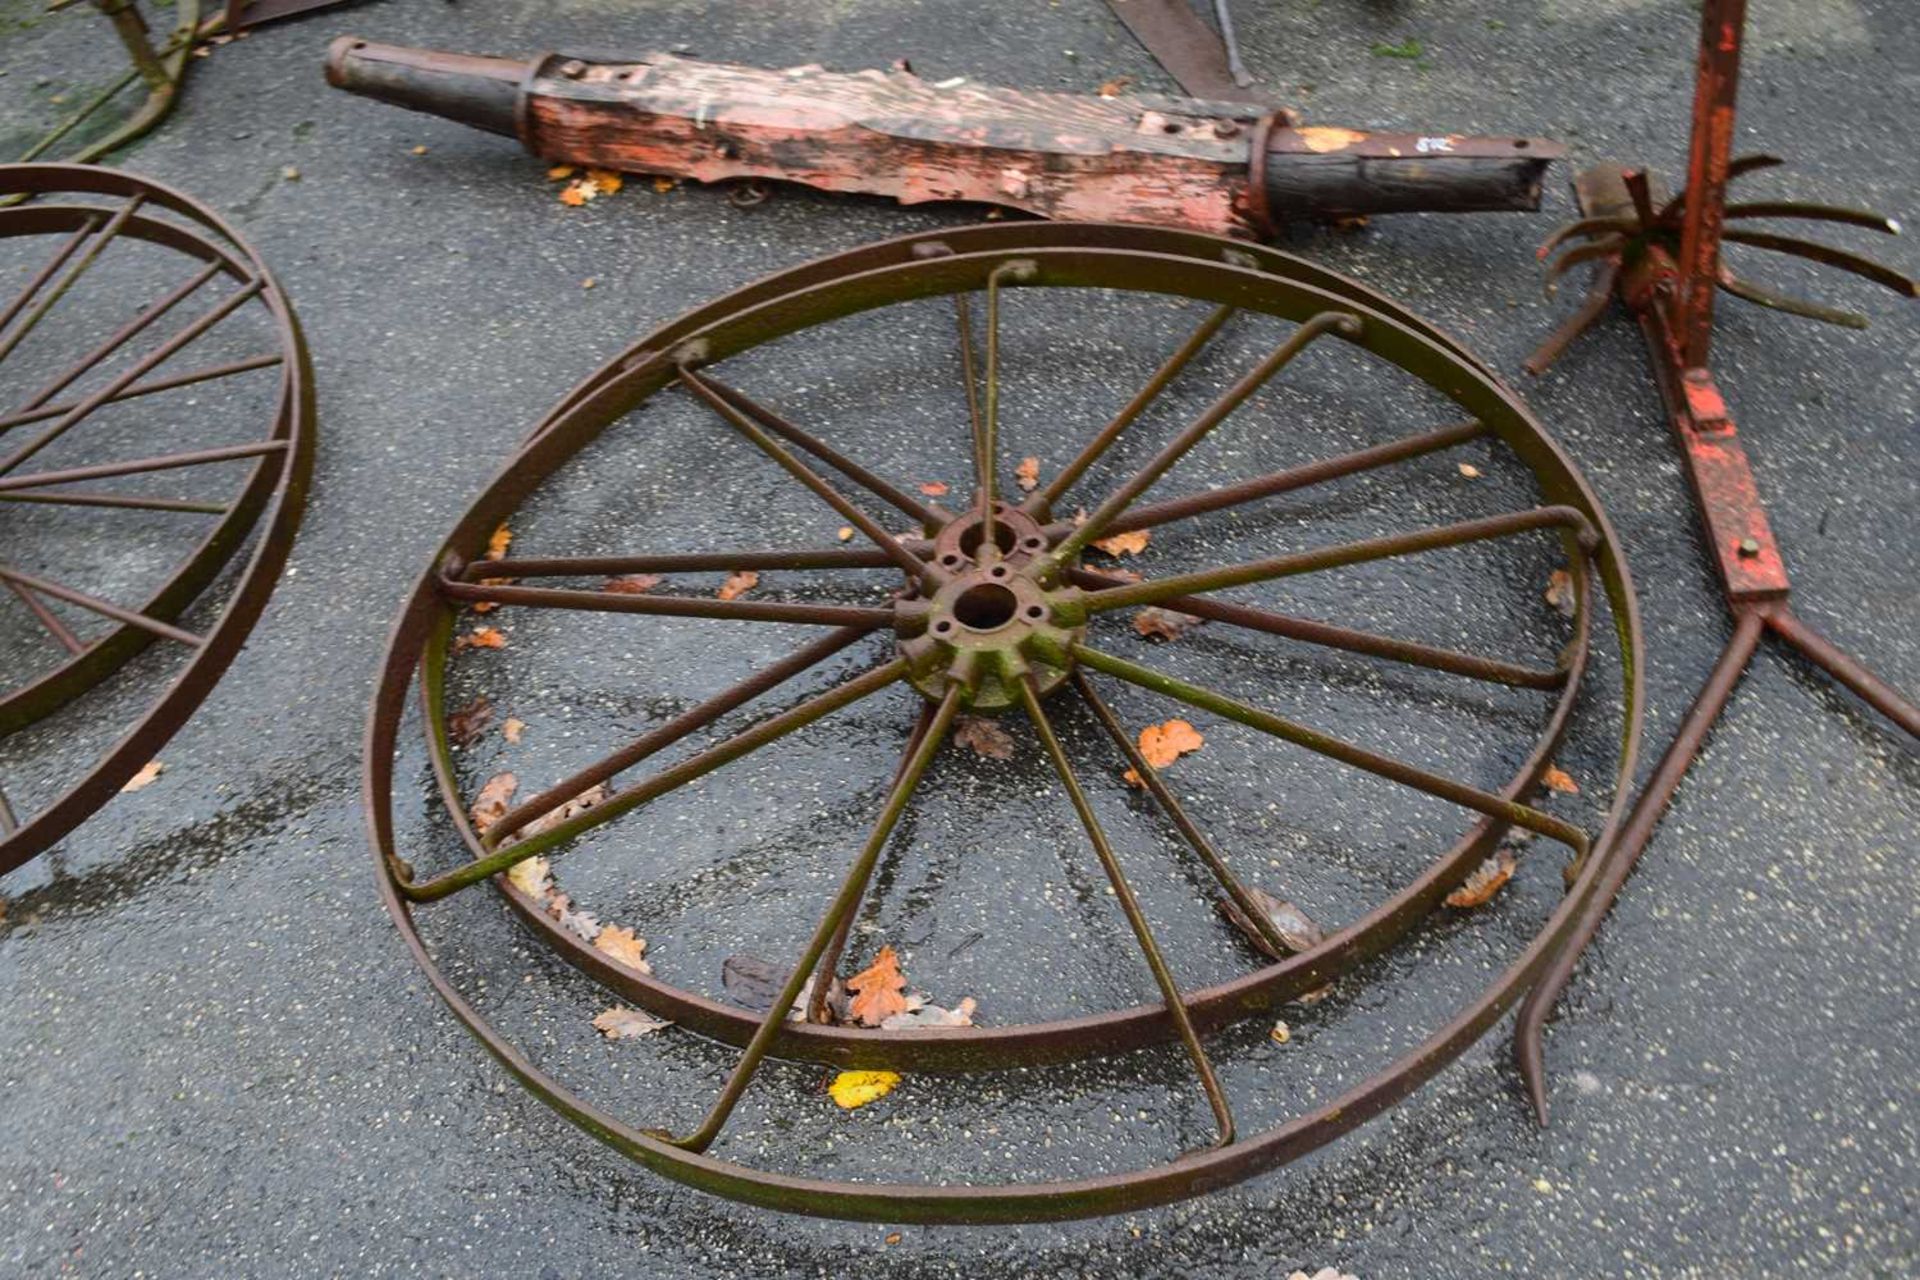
point(1828, 256)
point(1585, 227)
point(1785, 302)
point(1599, 293)
point(1596, 251)
point(1815, 213)
point(1670, 214)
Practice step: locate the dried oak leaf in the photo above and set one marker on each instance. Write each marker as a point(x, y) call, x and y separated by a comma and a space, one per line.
point(512, 729)
point(1558, 779)
point(1124, 544)
point(933, 489)
point(1156, 623)
point(1027, 474)
point(931, 1017)
point(464, 727)
point(1487, 879)
point(1559, 592)
point(878, 990)
point(852, 1089)
point(620, 1023)
point(738, 584)
point(140, 781)
point(491, 804)
point(583, 924)
point(623, 947)
point(571, 809)
point(632, 584)
point(533, 877)
point(985, 736)
point(1295, 929)
point(1162, 744)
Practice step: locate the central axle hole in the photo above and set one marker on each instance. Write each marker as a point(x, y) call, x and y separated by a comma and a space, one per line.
point(986, 606)
point(970, 538)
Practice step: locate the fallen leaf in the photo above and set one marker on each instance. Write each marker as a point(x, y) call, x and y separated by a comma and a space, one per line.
point(620, 1023)
point(577, 194)
point(738, 584)
point(533, 877)
point(1487, 879)
point(1281, 1033)
point(419, 151)
point(857, 1088)
point(665, 184)
point(1114, 87)
point(1028, 474)
point(623, 947)
point(1162, 744)
point(1156, 623)
point(606, 181)
point(926, 1017)
point(933, 488)
point(1124, 544)
point(498, 542)
point(1558, 779)
point(480, 638)
point(493, 801)
point(632, 584)
point(1470, 471)
point(985, 736)
point(488, 606)
point(893, 1237)
point(512, 729)
point(877, 990)
point(140, 781)
point(1295, 929)
point(583, 924)
point(845, 533)
point(588, 283)
point(571, 809)
point(559, 172)
point(1560, 593)
point(463, 727)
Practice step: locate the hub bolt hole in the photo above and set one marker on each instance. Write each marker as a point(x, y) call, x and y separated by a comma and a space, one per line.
point(970, 539)
point(1036, 611)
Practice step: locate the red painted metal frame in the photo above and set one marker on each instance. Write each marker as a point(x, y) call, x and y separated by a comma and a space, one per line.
point(1672, 296)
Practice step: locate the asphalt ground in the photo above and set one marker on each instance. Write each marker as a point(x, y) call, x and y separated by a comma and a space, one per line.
point(221, 1061)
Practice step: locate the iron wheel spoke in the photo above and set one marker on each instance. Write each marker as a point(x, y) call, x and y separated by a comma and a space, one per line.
point(105, 608)
point(140, 368)
point(46, 618)
point(915, 568)
point(819, 615)
point(207, 374)
point(688, 770)
point(1154, 514)
point(986, 425)
point(61, 253)
point(1325, 634)
point(687, 722)
point(69, 499)
point(852, 889)
point(139, 466)
point(1161, 590)
point(675, 562)
point(1136, 918)
point(1048, 497)
point(930, 517)
point(1339, 749)
point(87, 259)
point(118, 338)
point(1120, 499)
point(1177, 814)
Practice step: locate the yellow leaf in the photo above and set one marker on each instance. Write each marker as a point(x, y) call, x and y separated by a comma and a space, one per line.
point(605, 180)
point(857, 1088)
point(845, 534)
point(534, 877)
point(499, 541)
point(1124, 544)
point(143, 779)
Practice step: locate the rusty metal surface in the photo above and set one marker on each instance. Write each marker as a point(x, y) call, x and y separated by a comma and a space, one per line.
point(88, 218)
point(1193, 53)
point(959, 645)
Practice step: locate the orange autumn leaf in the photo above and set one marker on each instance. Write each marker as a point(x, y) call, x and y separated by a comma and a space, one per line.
point(1028, 474)
point(480, 638)
point(845, 533)
point(1487, 879)
point(144, 778)
point(665, 184)
point(878, 991)
point(499, 541)
point(606, 181)
point(1124, 544)
point(574, 196)
point(632, 584)
point(1558, 779)
point(1559, 592)
point(626, 949)
point(559, 172)
point(1162, 744)
point(738, 584)
point(933, 488)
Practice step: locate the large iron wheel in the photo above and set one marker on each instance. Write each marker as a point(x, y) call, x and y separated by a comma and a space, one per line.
point(995, 609)
point(155, 444)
